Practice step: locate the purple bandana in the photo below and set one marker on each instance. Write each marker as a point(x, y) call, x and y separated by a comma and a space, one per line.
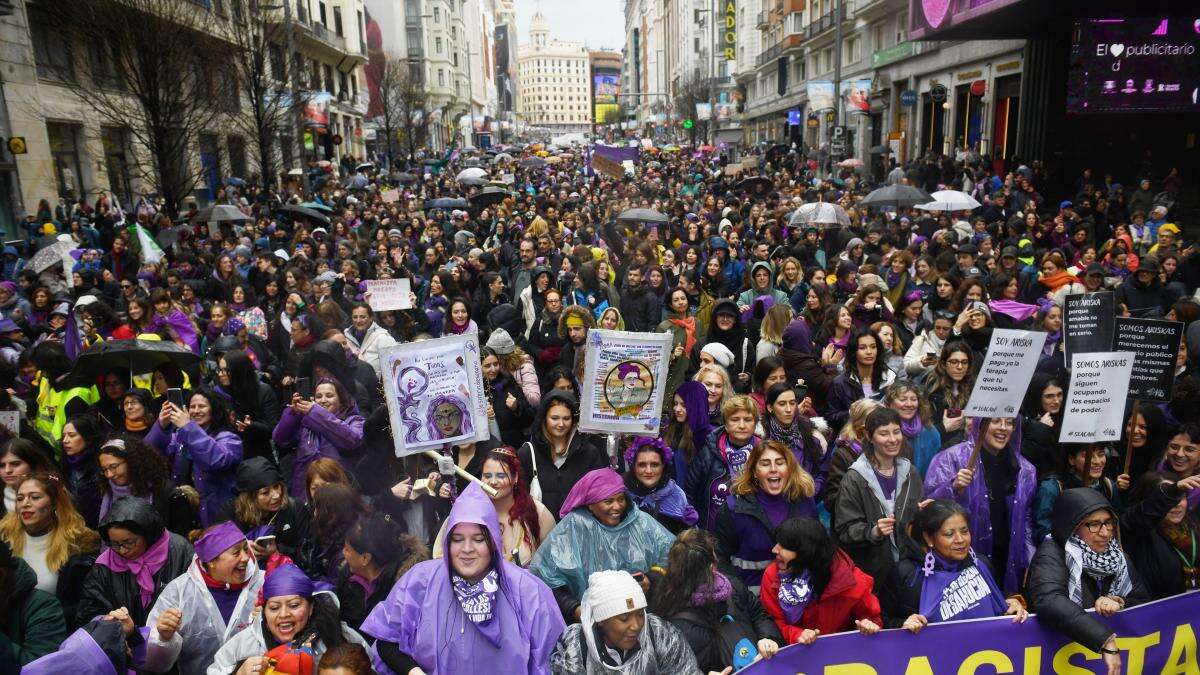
point(958, 590)
point(287, 579)
point(217, 540)
point(794, 595)
point(911, 428)
point(735, 458)
point(478, 599)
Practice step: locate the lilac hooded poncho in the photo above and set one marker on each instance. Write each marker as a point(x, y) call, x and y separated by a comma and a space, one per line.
point(424, 618)
point(939, 481)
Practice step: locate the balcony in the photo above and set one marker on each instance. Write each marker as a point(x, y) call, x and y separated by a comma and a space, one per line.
point(764, 18)
point(822, 24)
point(778, 49)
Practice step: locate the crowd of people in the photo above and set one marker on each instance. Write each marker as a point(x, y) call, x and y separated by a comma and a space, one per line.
point(236, 507)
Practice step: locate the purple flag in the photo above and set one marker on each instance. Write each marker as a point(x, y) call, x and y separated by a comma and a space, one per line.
point(72, 340)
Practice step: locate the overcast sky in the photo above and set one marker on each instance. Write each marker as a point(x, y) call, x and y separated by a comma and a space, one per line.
point(596, 23)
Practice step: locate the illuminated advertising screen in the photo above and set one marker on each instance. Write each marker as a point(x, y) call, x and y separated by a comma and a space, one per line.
point(606, 86)
point(1134, 65)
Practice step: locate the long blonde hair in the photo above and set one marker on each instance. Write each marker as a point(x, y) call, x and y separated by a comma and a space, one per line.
point(855, 427)
point(800, 484)
point(727, 384)
point(70, 534)
point(774, 323)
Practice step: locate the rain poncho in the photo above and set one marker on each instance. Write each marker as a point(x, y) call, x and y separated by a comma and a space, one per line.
point(251, 642)
point(424, 618)
point(662, 649)
point(88, 651)
point(203, 631)
point(580, 545)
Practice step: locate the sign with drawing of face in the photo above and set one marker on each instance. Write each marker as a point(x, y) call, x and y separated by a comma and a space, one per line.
point(435, 393)
point(624, 381)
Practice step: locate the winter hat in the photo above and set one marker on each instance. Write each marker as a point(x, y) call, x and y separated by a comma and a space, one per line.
point(612, 593)
point(61, 309)
point(501, 342)
point(719, 352)
point(257, 473)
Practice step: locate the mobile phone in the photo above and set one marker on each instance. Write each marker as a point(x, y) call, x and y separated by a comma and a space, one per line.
point(304, 387)
point(175, 397)
point(955, 412)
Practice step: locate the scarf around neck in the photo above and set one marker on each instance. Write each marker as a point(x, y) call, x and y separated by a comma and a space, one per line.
point(795, 592)
point(1081, 559)
point(142, 568)
point(115, 492)
point(718, 590)
point(688, 326)
point(911, 428)
point(478, 602)
point(958, 590)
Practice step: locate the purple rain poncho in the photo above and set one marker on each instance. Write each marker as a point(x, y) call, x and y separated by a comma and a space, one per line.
point(424, 618)
point(177, 327)
point(939, 485)
point(318, 434)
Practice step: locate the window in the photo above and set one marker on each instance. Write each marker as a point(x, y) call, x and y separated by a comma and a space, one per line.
point(324, 18)
point(329, 83)
point(441, 77)
point(337, 21)
point(104, 66)
point(413, 37)
point(64, 150)
point(851, 49)
point(53, 54)
point(826, 59)
point(437, 44)
point(877, 37)
point(415, 72)
point(278, 68)
point(437, 14)
point(901, 27)
point(116, 160)
point(237, 155)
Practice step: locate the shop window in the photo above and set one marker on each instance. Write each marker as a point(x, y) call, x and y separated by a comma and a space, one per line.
point(116, 161)
point(53, 54)
point(64, 151)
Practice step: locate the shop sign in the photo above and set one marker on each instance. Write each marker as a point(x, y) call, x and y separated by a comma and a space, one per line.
point(969, 75)
point(978, 87)
point(908, 98)
point(938, 93)
point(893, 54)
point(1005, 67)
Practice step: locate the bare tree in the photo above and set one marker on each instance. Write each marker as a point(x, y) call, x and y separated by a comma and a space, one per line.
point(270, 81)
point(690, 92)
point(157, 68)
point(402, 99)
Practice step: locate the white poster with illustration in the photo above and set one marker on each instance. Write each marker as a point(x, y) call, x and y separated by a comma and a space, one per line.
point(624, 382)
point(435, 393)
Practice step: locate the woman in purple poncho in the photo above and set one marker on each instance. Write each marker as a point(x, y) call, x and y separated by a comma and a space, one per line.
point(471, 612)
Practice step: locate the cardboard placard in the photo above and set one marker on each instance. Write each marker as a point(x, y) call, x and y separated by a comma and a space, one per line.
point(1095, 397)
point(1156, 346)
point(1089, 322)
point(389, 294)
point(390, 196)
point(1007, 369)
point(624, 381)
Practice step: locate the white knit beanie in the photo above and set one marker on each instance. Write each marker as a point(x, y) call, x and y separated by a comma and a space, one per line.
point(612, 593)
point(720, 354)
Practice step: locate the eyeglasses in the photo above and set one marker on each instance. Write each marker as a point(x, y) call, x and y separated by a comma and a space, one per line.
point(958, 363)
point(111, 468)
point(127, 545)
point(1094, 526)
point(1001, 423)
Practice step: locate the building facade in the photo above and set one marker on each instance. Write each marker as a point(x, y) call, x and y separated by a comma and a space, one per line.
point(604, 84)
point(553, 82)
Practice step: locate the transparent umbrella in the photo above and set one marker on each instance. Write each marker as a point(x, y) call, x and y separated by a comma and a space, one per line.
point(950, 200)
point(820, 213)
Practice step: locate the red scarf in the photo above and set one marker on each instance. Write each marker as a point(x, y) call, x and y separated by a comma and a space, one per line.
point(213, 583)
point(689, 328)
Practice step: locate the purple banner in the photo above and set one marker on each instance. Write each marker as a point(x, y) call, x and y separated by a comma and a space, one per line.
point(607, 159)
point(1159, 637)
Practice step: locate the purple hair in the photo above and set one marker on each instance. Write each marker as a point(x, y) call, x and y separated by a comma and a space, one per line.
point(465, 426)
point(646, 443)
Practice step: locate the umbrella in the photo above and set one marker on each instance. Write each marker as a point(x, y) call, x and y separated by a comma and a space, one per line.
point(169, 236)
point(554, 160)
point(502, 158)
point(880, 150)
point(642, 216)
point(365, 166)
point(298, 211)
point(295, 172)
point(488, 196)
point(446, 203)
point(755, 183)
point(850, 163)
point(472, 172)
point(819, 213)
point(896, 196)
point(48, 255)
point(654, 165)
point(317, 206)
point(472, 182)
point(532, 162)
point(473, 162)
point(357, 182)
point(236, 182)
point(221, 213)
point(139, 356)
point(950, 200)
point(404, 177)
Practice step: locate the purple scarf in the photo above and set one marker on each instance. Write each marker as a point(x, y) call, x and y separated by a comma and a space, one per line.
point(718, 591)
point(478, 602)
point(115, 492)
point(955, 591)
point(1018, 311)
point(776, 507)
point(911, 428)
point(794, 595)
point(735, 458)
point(143, 567)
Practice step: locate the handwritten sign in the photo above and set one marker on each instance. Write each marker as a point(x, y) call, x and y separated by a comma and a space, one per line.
point(390, 196)
point(1000, 386)
point(1088, 322)
point(1156, 346)
point(1096, 395)
point(389, 294)
point(625, 377)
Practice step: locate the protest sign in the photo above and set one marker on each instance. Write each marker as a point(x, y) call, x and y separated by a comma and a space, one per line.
point(1158, 637)
point(1156, 344)
point(1002, 381)
point(390, 196)
point(1096, 395)
point(1088, 323)
point(389, 294)
point(435, 393)
point(624, 381)
point(11, 420)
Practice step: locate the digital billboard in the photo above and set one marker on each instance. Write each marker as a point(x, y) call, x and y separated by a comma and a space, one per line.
point(926, 18)
point(1127, 64)
point(606, 84)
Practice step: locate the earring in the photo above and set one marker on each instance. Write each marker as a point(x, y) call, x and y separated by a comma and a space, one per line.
point(929, 562)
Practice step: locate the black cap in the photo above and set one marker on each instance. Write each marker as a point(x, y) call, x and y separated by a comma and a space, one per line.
point(257, 473)
point(968, 248)
point(1094, 268)
point(1008, 252)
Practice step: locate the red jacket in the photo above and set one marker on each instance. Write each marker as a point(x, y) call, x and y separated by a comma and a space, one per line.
point(847, 598)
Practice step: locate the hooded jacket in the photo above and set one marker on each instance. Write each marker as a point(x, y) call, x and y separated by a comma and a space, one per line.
point(99, 648)
point(939, 481)
point(641, 307)
point(661, 649)
point(801, 362)
point(846, 598)
point(530, 303)
point(583, 455)
point(319, 433)
point(748, 296)
point(424, 621)
point(1152, 554)
point(252, 642)
point(359, 379)
point(374, 341)
point(1047, 585)
point(572, 356)
point(860, 505)
point(35, 623)
point(105, 590)
point(213, 465)
point(746, 537)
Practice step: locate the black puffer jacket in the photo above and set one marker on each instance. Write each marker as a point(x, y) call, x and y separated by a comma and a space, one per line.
point(105, 590)
point(641, 308)
point(701, 626)
point(356, 376)
point(583, 455)
point(1048, 574)
point(513, 423)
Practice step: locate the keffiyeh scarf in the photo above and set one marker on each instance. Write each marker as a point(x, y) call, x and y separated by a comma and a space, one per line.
point(1081, 559)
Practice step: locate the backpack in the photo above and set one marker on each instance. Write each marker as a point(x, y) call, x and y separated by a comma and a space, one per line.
point(736, 648)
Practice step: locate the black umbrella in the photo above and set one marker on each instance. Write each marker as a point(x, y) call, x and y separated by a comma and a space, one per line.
point(755, 183)
point(880, 150)
point(169, 236)
point(532, 162)
point(139, 356)
point(473, 161)
point(446, 203)
point(297, 211)
point(642, 216)
point(405, 177)
point(896, 196)
point(488, 196)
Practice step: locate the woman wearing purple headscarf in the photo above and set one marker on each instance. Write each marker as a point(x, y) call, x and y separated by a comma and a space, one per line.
point(688, 428)
point(801, 363)
point(295, 614)
point(471, 612)
point(649, 484)
point(1000, 501)
point(327, 426)
point(203, 608)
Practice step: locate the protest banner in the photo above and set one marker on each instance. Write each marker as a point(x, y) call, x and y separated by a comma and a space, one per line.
point(1156, 346)
point(435, 393)
point(390, 196)
point(1098, 388)
point(1007, 369)
point(1088, 322)
point(1158, 637)
point(624, 381)
point(389, 294)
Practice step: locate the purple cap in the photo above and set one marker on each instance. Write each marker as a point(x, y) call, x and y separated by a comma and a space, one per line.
point(626, 369)
point(287, 580)
point(8, 326)
point(217, 540)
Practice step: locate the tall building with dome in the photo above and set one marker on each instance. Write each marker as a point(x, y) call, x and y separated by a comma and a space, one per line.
point(552, 82)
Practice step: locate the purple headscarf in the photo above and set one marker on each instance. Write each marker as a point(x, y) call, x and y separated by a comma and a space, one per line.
point(217, 540)
point(596, 485)
point(287, 579)
point(798, 337)
point(695, 401)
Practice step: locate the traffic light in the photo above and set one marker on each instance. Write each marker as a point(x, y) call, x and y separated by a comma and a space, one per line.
point(688, 124)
